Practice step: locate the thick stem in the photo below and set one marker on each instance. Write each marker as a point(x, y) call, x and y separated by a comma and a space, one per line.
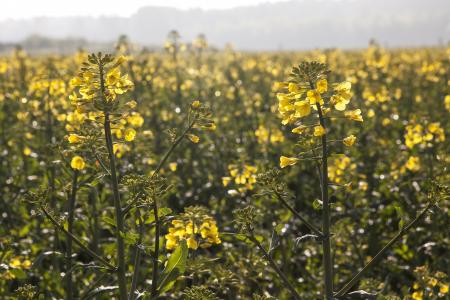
point(70, 219)
point(156, 253)
point(118, 209)
point(276, 268)
point(121, 268)
point(326, 243)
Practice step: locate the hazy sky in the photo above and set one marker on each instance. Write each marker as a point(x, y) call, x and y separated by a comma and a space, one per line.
point(22, 9)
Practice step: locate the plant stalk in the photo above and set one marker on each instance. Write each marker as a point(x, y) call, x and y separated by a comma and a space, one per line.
point(154, 292)
point(326, 224)
point(118, 209)
point(70, 219)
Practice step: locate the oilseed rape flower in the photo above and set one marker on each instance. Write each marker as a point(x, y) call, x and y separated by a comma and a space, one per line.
point(422, 134)
point(319, 131)
point(354, 115)
point(193, 138)
point(287, 161)
point(243, 177)
point(74, 138)
point(413, 163)
point(196, 227)
point(77, 163)
point(339, 166)
point(349, 141)
point(322, 86)
point(264, 135)
point(342, 95)
point(130, 134)
point(100, 81)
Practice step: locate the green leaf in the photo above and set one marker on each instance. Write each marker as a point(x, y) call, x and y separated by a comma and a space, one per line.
point(241, 237)
point(129, 238)
point(259, 238)
point(164, 211)
point(109, 221)
point(175, 267)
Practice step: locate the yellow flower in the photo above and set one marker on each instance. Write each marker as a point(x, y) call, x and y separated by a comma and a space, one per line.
point(171, 242)
point(196, 227)
point(319, 131)
point(130, 134)
point(226, 180)
point(349, 141)
point(447, 102)
point(443, 289)
point(131, 104)
point(314, 97)
point(135, 120)
point(342, 96)
point(195, 104)
point(302, 109)
point(15, 263)
point(354, 115)
point(74, 138)
point(173, 166)
point(27, 151)
point(193, 138)
point(322, 86)
point(293, 87)
point(26, 264)
point(77, 163)
point(413, 163)
point(192, 243)
point(432, 282)
point(287, 161)
point(418, 295)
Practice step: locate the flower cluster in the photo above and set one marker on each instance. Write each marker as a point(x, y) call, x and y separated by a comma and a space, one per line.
point(429, 285)
point(15, 263)
point(423, 134)
point(265, 136)
point(99, 84)
point(100, 81)
point(309, 94)
point(196, 227)
point(244, 177)
point(338, 167)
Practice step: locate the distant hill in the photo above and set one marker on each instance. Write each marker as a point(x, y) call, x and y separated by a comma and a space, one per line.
point(300, 24)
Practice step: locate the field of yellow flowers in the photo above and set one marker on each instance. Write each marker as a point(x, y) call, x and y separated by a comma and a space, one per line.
point(192, 173)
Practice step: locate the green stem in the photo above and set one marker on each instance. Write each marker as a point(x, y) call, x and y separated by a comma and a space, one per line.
point(154, 292)
point(275, 267)
point(137, 257)
point(380, 254)
point(71, 213)
point(118, 209)
point(300, 217)
point(326, 224)
point(121, 268)
point(77, 240)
